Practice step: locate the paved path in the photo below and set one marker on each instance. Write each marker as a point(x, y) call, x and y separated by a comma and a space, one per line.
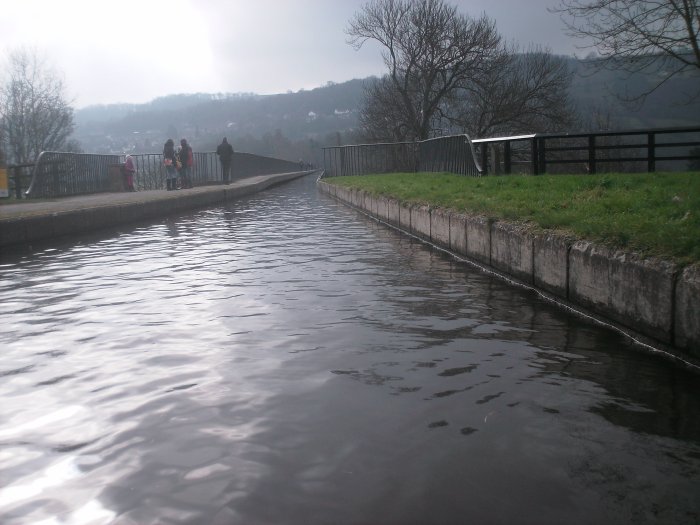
point(24, 222)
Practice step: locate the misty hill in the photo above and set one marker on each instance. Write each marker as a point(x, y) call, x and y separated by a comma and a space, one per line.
point(204, 119)
point(668, 106)
point(296, 125)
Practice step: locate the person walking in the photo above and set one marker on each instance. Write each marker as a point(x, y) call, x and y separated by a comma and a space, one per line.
point(169, 160)
point(186, 160)
point(225, 153)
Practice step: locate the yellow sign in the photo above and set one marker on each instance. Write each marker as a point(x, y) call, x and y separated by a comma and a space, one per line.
point(4, 187)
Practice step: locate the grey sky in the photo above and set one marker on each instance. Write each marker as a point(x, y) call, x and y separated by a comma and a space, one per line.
point(144, 49)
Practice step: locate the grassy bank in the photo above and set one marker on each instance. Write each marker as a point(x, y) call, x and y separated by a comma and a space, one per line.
point(652, 214)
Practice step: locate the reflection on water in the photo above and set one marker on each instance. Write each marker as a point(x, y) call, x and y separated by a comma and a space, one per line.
point(286, 360)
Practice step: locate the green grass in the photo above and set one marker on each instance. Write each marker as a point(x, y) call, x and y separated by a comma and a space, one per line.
point(652, 214)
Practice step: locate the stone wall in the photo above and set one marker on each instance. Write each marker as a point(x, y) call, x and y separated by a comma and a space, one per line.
point(651, 297)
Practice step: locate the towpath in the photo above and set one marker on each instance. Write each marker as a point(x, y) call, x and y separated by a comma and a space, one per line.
point(29, 221)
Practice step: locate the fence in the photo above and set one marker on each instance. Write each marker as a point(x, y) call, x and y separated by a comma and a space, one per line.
point(454, 154)
point(627, 151)
point(150, 171)
point(637, 150)
point(59, 174)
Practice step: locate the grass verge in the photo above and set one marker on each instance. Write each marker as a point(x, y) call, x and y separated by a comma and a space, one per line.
point(654, 214)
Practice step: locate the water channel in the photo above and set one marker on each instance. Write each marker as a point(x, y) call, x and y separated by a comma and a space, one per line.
point(285, 360)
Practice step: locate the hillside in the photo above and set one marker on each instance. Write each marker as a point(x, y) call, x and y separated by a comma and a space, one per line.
point(297, 125)
point(253, 120)
point(667, 107)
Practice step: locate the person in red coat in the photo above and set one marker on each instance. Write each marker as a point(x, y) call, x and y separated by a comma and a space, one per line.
point(129, 171)
point(187, 161)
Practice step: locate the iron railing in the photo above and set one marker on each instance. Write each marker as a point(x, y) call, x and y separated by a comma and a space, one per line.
point(454, 154)
point(362, 159)
point(58, 174)
point(150, 171)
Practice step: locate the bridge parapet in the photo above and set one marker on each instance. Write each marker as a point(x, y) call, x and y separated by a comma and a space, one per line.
point(62, 174)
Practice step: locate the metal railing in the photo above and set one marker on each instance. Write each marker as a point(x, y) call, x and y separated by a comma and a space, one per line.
point(455, 154)
point(150, 170)
point(59, 174)
point(627, 151)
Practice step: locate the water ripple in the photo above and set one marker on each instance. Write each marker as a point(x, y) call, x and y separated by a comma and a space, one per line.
point(283, 359)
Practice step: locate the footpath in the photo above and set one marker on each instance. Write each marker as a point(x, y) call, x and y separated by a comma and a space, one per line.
point(29, 221)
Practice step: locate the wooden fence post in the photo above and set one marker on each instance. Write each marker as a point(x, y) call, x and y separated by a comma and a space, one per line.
point(535, 157)
point(506, 157)
point(591, 154)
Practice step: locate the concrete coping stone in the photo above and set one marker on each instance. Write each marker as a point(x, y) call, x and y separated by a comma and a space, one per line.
point(649, 296)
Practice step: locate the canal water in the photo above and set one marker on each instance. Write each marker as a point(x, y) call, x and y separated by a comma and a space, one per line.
point(286, 360)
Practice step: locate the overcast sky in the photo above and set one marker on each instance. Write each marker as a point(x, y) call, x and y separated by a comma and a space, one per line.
point(137, 50)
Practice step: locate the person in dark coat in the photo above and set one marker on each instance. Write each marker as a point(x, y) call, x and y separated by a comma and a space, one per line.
point(225, 153)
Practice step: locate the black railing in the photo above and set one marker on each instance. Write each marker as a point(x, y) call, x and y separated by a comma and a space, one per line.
point(59, 174)
point(454, 153)
point(624, 151)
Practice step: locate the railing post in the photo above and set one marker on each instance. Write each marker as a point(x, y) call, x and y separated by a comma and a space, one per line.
point(535, 156)
point(651, 152)
point(506, 157)
point(542, 163)
point(484, 159)
point(591, 154)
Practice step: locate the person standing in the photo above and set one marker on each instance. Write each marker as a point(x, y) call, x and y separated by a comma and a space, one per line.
point(225, 153)
point(129, 171)
point(187, 160)
point(169, 160)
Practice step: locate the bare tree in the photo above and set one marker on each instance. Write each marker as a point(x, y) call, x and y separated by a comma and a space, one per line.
point(382, 117)
point(2, 146)
point(528, 92)
point(430, 50)
point(633, 35)
point(34, 113)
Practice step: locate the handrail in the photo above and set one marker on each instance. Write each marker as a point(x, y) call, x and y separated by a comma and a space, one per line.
point(501, 139)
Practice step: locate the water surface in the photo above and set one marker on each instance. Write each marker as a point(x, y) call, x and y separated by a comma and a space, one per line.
point(284, 359)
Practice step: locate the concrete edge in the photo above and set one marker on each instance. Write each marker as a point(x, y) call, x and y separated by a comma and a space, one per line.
point(43, 226)
point(650, 297)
